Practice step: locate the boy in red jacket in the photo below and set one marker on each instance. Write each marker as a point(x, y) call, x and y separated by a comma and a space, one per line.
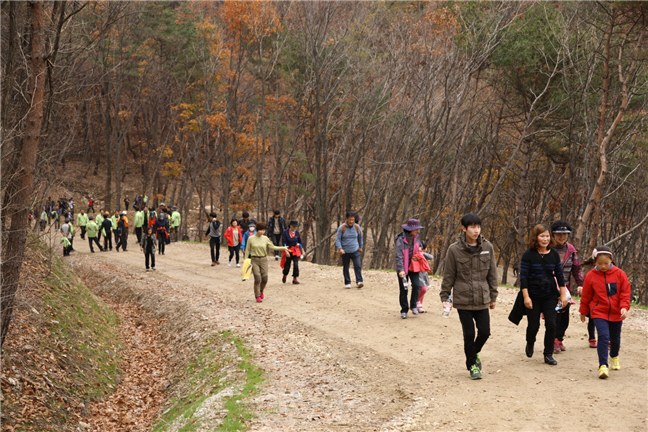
point(606, 297)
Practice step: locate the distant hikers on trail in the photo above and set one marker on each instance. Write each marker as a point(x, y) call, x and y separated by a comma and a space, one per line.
point(349, 243)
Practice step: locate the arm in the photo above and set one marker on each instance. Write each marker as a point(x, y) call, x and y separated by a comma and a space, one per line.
point(277, 248)
point(338, 238)
point(525, 266)
point(360, 243)
point(492, 278)
point(246, 254)
point(428, 256)
point(577, 273)
point(449, 275)
point(399, 258)
point(625, 293)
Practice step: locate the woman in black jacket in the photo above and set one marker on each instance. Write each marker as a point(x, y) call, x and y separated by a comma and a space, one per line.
point(540, 276)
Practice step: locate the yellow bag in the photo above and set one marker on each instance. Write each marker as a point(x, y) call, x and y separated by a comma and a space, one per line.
point(246, 270)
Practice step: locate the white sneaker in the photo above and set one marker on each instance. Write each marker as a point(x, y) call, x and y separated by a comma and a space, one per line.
point(276, 257)
point(360, 285)
point(347, 286)
point(229, 263)
point(238, 265)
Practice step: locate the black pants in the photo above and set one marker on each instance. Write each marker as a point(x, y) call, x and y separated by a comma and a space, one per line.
point(562, 323)
point(546, 306)
point(161, 238)
point(276, 240)
point(82, 232)
point(138, 233)
point(414, 286)
point(90, 208)
point(295, 260)
point(116, 235)
point(148, 254)
point(108, 241)
point(472, 345)
point(234, 250)
point(591, 328)
point(357, 267)
point(96, 240)
point(123, 242)
point(214, 246)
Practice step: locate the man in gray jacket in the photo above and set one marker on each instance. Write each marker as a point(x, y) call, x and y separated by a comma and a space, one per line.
point(349, 244)
point(470, 275)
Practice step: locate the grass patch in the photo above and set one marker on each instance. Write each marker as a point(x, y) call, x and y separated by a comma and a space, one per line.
point(224, 362)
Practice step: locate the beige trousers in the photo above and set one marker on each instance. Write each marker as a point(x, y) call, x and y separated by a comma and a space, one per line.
point(260, 271)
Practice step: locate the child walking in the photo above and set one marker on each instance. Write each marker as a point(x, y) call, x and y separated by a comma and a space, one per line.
point(425, 279)
point(292, 240)
point(256, 247)
point(606, 298)
point(148, 245)
point(233, 235)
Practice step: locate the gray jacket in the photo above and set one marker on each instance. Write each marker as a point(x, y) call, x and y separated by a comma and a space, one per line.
point(471, 277)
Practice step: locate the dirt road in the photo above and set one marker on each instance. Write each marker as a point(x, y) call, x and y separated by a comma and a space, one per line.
point(340, 359)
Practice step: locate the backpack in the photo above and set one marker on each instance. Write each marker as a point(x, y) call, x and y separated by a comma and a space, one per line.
point(355, 225)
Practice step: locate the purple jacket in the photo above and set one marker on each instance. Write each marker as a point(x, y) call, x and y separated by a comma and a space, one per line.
point(571, 264)
point(402, 252)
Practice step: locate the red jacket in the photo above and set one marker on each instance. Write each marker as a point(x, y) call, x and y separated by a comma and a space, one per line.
point(605, 293)
point(229, 235)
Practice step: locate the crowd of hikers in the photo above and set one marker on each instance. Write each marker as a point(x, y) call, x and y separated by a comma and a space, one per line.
point(469, 285)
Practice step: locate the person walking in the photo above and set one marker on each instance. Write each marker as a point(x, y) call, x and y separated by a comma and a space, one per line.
point(292, 240)
point(606, 298)
point(245, 223)
point(214, 233)
point(247, 234)
point(43, 220)
point(82, 221)
point(148, 244)
point(276, 228)
point(115, 229)
point(407, 247)
point(540, 270)
point(99, 221)
point(71, 208)
point(560, 231)
point(106, 226)
point(470, 276)
point(93, 230)
point(65, 230)
point(257, 249)
point(425, 278)
point(176, 220)
point(122, 227)
point(162, 231)
point(138, 222)
point(348, 241)
point(234, 237)
point(90, 205)
point(126, 203)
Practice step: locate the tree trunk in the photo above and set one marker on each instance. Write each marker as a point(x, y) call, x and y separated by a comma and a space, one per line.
point(15, 243)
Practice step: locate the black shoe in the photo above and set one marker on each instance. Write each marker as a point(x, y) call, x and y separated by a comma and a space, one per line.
point(529, 350)
point(548, 358)
point(283, 279)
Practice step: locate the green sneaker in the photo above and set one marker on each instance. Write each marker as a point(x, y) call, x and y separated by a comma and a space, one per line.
point(475, 373)
point(478, 364)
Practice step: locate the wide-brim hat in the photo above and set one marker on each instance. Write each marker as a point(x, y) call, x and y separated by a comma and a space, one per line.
point(412, 224)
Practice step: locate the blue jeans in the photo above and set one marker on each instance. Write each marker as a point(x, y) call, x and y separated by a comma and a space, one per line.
point(607, 331)
point(357, 267)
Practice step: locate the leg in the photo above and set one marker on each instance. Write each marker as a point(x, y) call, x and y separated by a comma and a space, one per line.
point(346, 260)
point(533, 322)
point(152, 260)
point(295, 261)
point(146, 259)
point(591, 328)
point(549, 311)
point(237, 249)
point(422, 292)
point(468, 327)
point(562, 322)
point(615, 337)
point(212, 244)
point(415, 283)
point(138, 233)
point(286, 268)
point(603, 330)
point(231, 251)
point(125, 241)
point(217, 248)
point(264, 273)
point(90, 243)
point(83, 233)
point(357, 267)
point(482, 320)
point(276, 240)
point(402, 296)
point(256, 271)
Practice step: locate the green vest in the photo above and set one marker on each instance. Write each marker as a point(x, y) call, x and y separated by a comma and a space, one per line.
point(82, 219)
point(139, 219)
point(176, 219)
point(92, 229)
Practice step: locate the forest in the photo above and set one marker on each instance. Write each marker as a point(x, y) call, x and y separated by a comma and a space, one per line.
point(522, 112)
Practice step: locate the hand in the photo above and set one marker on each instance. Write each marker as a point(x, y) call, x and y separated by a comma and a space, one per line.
point(287, 253)
point(360, 249)
point(401, 274)
point(341, 251)
point(624, 313)
point(414, 259)
point(492, 305)
point(583, 317)
point(528, 303)
point(579, 290)
point(563, 300)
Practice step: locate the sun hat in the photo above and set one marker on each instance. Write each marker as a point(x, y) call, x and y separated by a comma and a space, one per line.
point(124, 213)
point(411, 225)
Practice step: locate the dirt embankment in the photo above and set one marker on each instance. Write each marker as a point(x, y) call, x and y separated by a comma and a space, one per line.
point(339, 359)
